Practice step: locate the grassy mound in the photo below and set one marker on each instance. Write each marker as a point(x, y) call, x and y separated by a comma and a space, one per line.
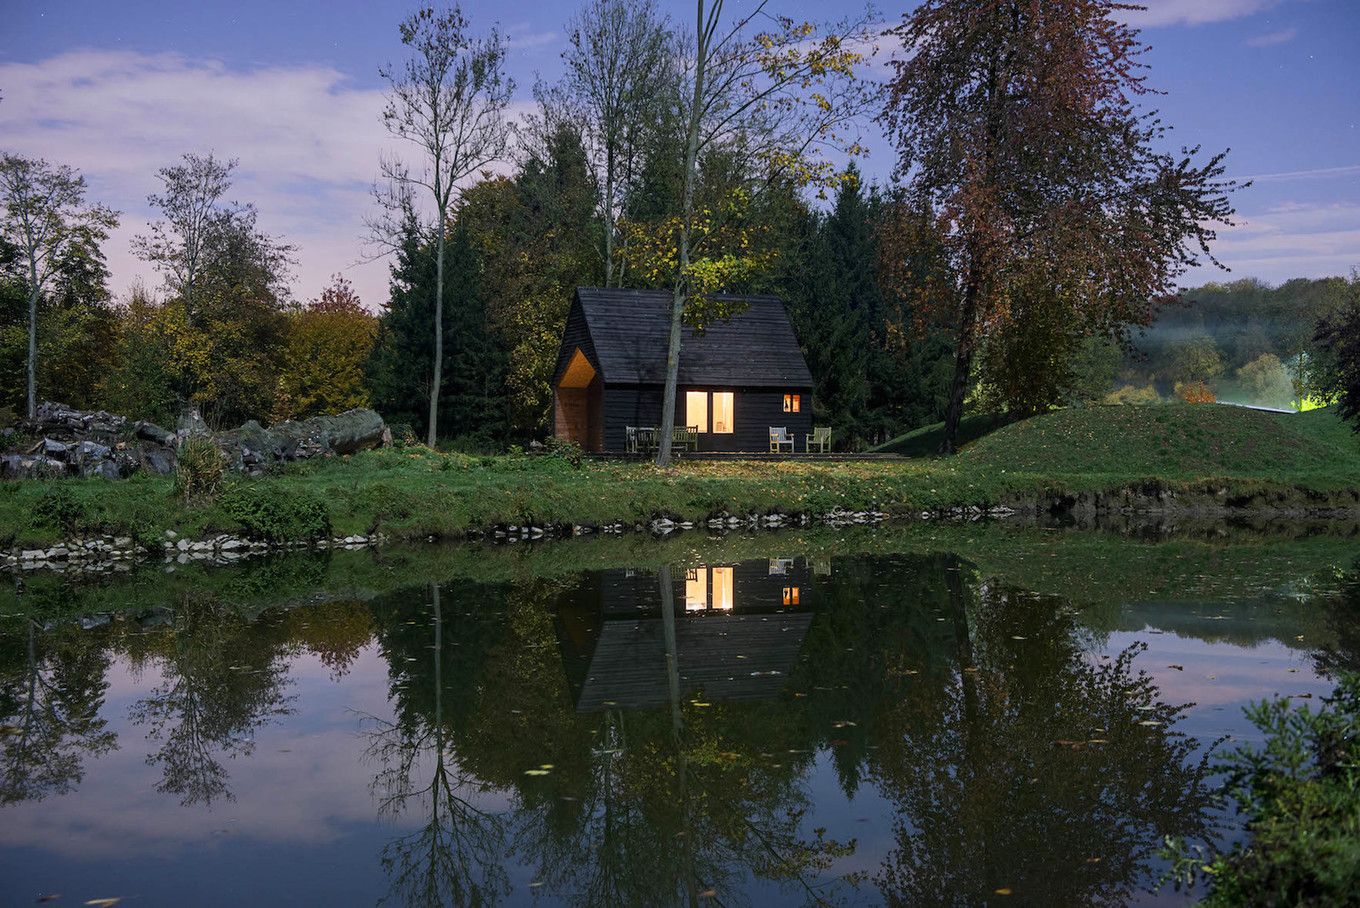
point(1180, 440)
point(925, 441)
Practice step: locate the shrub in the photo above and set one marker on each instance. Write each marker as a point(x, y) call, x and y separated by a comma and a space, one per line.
point(1128, 394)
point(1301, 795)
point(277, 515)
point(200, 470)
point(1195, 392)
point(57, 507)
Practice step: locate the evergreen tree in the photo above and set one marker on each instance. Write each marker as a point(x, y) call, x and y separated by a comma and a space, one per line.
point(473, 403)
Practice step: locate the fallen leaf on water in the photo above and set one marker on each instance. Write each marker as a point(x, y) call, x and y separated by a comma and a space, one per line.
point(1149, 722)
point(1003, 892)
point(1179, 668)
point(708, 893)
point(839, 743)
point(536, 884)
point(841, 723)
point(535, 772)
point(48, 898)
point(104, 903)
point(1301, 696)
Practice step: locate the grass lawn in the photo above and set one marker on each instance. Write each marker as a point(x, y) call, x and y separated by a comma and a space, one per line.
point(1244, 457)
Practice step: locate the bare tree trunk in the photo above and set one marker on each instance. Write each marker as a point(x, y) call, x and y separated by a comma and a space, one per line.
point(663, 452)
point(33, 349)
point(963, 362)
point(435, 386)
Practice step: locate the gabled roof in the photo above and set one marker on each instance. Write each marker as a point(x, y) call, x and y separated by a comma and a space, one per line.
point(629, 331)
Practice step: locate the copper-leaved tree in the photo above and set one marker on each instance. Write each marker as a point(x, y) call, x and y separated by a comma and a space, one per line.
point(1029, 157)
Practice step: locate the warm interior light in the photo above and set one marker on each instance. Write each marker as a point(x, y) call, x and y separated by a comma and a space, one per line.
point(722, 588)
point(723, 408)
point(696, 409)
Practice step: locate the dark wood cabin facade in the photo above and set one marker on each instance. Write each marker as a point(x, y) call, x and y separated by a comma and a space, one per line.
point(738, 630)
point(737, 379)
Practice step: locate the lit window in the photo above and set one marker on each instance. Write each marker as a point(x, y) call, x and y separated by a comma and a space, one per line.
point(722, 588)
point(796, 398)
point(792, 403)
point(790, 595)
point(696, 409)
point(696, 589)
point(723, 408)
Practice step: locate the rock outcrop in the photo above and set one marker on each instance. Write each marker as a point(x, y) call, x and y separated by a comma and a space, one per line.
point(73, 442)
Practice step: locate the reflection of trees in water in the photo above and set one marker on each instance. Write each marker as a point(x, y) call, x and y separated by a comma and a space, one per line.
point(1032, 768)
point(51, 690)
point(647, 808)
point(223, 679)
point(455, 856)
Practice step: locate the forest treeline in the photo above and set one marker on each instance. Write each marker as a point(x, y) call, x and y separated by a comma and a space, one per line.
point(1020, 287)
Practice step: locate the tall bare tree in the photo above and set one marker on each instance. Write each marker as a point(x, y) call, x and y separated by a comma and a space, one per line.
point(448, 99)
point(177, 245)
point(622, 66)
point(778, 98)
point(46, 220)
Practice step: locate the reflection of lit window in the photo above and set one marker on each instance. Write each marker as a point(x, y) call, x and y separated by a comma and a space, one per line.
point(696, 409)
point(792, 403)
point(696, 589)
point(790, 595)
point(722, 588)
point(780, 566)
point(722, 411)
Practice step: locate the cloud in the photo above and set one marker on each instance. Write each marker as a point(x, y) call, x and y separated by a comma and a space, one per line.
point(1192, 12)
point(518, 40)
point(308, 141)
point(1286, 241)
point(1270, 40)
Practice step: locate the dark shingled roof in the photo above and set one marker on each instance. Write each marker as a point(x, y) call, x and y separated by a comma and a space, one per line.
point(630, 329)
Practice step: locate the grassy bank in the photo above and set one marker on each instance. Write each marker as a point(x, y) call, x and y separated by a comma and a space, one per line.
point(1190, 456)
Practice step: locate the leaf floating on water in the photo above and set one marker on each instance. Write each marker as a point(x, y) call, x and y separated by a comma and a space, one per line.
point(535, 884)
point(1003, 892)
point(48, 898)
point(1301, 696)
point(1149, 722)
point(841, 723)
point(536, 772)
point(1018, 637)
point(764, 674)
point(1179, 668)
point(104, 903)
point(708, 894)
point(1294, 670)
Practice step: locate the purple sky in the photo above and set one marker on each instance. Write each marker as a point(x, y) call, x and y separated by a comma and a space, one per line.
point(290, 87)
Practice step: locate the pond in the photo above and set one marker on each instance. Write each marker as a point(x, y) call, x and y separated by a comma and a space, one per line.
point(932, 715)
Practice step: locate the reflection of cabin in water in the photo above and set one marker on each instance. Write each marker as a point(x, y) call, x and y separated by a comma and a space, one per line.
point(738, 630)
point(737, 379)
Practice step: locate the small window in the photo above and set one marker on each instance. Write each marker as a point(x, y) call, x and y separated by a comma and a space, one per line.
point(792, 403)
point(790, 595)
point(696, 409)
point(723, 408)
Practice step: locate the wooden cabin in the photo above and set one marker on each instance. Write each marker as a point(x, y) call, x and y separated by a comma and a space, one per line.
point(737, 379)
point(738, 630)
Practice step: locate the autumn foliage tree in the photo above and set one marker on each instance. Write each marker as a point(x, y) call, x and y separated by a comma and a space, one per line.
point(775, 99)
point(1032, 163)
point(329, 342)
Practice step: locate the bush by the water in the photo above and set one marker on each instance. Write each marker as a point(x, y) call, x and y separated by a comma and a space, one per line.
point(58, 508)
point(277, 515)
point(200, 470)
point(1301, 795)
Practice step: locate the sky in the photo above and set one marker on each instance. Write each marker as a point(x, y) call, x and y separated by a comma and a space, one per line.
point(291, 89)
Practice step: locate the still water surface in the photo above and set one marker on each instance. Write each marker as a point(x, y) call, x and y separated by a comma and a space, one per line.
point(970, 720)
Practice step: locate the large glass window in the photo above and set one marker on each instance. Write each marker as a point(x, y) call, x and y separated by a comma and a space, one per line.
point(696, 409)
point(722, 585)
point(696, 589)
point(723, 408)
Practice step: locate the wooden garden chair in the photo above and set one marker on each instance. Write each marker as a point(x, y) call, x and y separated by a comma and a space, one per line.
point(820, 438)
point(779, 436)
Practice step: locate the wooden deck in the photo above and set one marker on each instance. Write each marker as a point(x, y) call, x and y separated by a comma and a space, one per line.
point(760, 457)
